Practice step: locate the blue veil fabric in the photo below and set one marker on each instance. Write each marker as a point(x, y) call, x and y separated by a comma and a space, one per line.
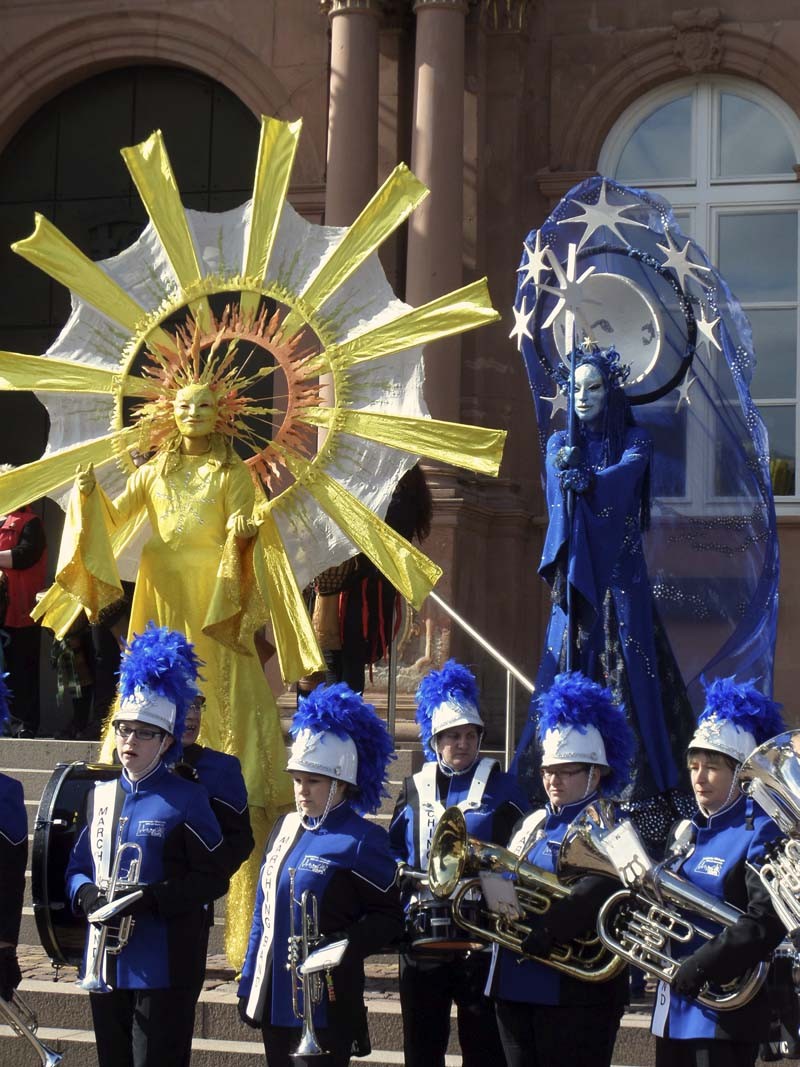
point(710, 555)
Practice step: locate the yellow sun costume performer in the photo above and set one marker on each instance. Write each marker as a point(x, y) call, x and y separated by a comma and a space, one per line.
point(220, 346)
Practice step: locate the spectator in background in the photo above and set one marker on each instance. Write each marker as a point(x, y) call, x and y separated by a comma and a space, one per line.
point(23, 563)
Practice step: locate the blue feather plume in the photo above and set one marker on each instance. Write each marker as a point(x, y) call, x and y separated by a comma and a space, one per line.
point(575, 700)
point(454, 682)
point(743, 705)
point(338, 710)
point(163, 661)
point(5, 696)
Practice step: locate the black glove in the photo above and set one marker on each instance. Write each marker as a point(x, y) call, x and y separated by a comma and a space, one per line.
point(568, 457)
point(143, 905)
point(245, 1017)
point(538, 942)
point(689, 978)
point(578, 479)
point(89, 898)
point(10, 975)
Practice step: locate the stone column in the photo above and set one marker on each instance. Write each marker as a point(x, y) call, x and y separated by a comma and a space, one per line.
point(353, 109)
point(434, 263)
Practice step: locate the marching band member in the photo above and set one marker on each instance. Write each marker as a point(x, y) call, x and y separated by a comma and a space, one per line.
point(220, 774)
point(13, 857)
point(545, 1018)
point(147, 1017)
point(451, 730)
point(717, 851)
point(338, 764)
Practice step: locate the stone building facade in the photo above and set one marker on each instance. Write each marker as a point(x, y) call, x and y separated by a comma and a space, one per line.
point(499, 106)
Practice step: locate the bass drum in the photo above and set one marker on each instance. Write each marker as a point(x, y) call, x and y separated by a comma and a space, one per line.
point(59, 821)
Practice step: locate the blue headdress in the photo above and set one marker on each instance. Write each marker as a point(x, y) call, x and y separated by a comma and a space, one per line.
point(337, 710)
point(159, 663)
point(736, 718)
point(5, 696)
point(579, 722)
point(446, 698)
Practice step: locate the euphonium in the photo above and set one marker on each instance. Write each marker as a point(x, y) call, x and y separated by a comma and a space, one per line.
point(643, 921)
point(23, 1022)
point(771, 776)
point(106, 941)
point(307, 985)
point(454, 856)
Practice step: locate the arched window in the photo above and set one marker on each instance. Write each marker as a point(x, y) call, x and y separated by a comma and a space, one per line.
point(724, 152)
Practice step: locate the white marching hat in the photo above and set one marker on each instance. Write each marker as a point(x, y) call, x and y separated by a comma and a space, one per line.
point(567, 744)
point(143, 705)
point(326, 754)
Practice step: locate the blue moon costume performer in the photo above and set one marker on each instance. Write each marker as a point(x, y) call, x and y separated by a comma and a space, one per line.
point(662, 536)
point(450, 725)
point(719, 851)
point(549, 1019)
point(339, 757)
point(13, 858)
point(143, 1012)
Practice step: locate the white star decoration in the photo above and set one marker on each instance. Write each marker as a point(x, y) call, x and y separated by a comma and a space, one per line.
point(568, 292)
point(536, 262)
point(557, 402)
point(596, 216)
point(521, 319)
point(706, 328)
point(678, 259)
point(683, 391)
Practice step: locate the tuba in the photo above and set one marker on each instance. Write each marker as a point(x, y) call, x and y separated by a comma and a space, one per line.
point(771, 776)
point(119, 891)
point(454, 857)
point(16, 1014)
point(644, 921)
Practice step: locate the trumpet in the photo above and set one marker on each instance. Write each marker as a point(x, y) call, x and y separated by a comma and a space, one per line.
point(454, 855)
point(309, 986)
point(771, 776)
point(643, 922)
point(24, 1023)
point(104, 941)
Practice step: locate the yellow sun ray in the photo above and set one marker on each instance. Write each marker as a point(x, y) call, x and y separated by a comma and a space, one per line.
point(463, 309)
point(276, 151)
point(48, 249)
point(58, 609)
point(20, 371)
point(151, 170)
point(410, 571)
point(473, 447)
point(51, 472)
point(389, 207)
point(295, 640)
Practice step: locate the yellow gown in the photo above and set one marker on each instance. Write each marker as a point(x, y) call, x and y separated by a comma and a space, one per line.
point(189, 501)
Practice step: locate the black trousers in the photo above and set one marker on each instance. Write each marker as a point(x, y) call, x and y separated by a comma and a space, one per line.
point(428, 990)
point(705, 1052)
point(143, 1027)
point(281, 1041)
point(565, 1035)
point(22, 664)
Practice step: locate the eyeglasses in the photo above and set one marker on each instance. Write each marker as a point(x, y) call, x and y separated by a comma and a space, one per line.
point(141, 733)
point(561, 772)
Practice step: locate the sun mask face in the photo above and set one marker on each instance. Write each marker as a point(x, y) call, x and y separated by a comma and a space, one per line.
point(195, 411)
point(590, 394)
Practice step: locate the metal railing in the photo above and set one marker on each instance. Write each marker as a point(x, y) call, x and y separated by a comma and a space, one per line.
point(512, 675)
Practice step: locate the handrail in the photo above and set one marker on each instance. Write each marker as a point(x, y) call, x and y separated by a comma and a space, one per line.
point(512, 674)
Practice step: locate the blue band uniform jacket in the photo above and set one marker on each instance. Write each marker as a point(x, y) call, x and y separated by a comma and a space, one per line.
point(13, 857)
point(515, 979)
point(724, 845)
point(347, 865)
point(183, 861)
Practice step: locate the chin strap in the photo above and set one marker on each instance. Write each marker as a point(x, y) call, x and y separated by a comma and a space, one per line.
point(162, 748)
point(313, 822)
